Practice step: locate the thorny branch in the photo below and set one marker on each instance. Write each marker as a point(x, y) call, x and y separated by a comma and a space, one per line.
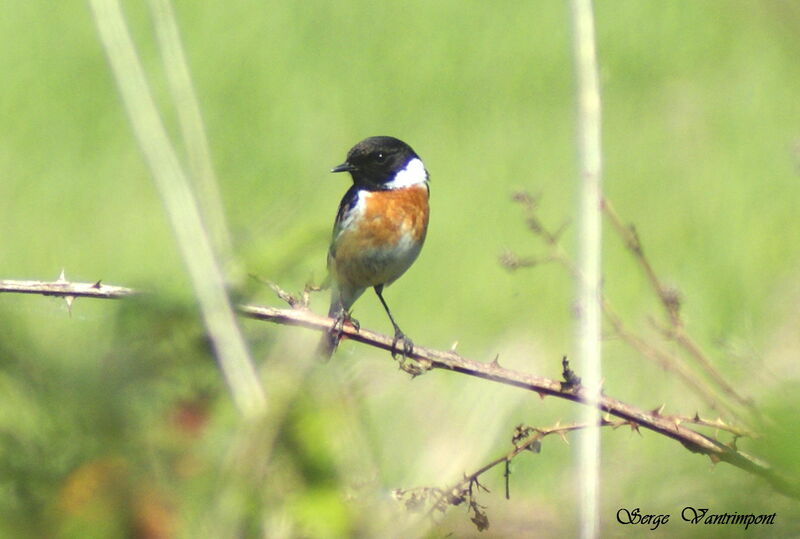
point(63, 288)
point(671, 302)
point(669, 299)
point(525, 438)
point(424, 359)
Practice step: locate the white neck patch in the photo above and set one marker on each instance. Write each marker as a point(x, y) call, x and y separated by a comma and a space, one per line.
point(414, 173)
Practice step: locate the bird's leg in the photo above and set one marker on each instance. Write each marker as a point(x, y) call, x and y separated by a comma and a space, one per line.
point(408, 346)
point(342, 317)
point(330, 340)
point(338, 325)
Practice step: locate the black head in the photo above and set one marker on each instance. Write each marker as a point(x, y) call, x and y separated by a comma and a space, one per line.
point(375, 161)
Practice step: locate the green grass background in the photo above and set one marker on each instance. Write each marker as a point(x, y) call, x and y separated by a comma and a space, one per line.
point(701, 142)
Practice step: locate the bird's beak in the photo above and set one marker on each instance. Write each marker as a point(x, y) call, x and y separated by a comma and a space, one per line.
point(344, 167)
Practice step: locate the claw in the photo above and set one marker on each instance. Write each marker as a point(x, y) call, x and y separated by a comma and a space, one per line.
point(331, 339)
point(408, 345)
point(338, 326)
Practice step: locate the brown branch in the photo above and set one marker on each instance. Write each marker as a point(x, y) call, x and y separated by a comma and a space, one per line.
point(524, 439)
point(552, 240)
point(665, 360)
point(670, 301)
point(63, 288)
point(668, 297)
point(424, 359)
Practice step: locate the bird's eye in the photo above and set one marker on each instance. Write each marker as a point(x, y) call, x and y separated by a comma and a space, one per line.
point(380, 157)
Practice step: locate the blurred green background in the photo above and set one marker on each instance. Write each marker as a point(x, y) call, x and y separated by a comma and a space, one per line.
point(114, 420)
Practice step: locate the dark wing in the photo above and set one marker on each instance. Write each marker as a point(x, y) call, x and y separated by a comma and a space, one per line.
point(348, 203)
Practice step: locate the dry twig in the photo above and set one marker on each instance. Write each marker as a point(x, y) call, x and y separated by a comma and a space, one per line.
point(668, 298)
point(524, 439)
point(671, 302)
point(64, 288)
point(424, 359)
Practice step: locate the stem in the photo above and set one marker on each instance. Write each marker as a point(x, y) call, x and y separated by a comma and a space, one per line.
point(589, 256)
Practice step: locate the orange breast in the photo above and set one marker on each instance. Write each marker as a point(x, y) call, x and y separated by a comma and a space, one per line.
point(388, 215)
point(383, 239)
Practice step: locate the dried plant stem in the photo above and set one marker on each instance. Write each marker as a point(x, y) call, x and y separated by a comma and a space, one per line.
point(671, 304)
point(589, 324)
point(424, 359)
point(175, 190)
point(192, 128)
point(524, 439)
point(63, 288)
point(665, 360)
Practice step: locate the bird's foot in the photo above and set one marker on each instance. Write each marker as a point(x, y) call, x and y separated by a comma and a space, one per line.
point(355, 323)
point(338, 325)
point(400, 339)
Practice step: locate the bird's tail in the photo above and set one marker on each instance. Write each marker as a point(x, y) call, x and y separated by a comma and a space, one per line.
point(330, 339)
point(327, 346)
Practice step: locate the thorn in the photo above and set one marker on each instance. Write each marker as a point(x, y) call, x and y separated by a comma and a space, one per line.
point(62, 277)
point(69, 300)
point(97, 285)
point(563, 436)
point(714, 458)
point(495, 362)
point(657, 411)
point(697, 416)
point(541, 395)
point(454, 346)
point(635, 427)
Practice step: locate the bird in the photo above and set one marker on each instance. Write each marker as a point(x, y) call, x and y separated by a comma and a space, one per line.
point(378, 233)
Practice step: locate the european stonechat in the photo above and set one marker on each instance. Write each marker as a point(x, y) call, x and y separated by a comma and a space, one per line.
point(379, 229)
